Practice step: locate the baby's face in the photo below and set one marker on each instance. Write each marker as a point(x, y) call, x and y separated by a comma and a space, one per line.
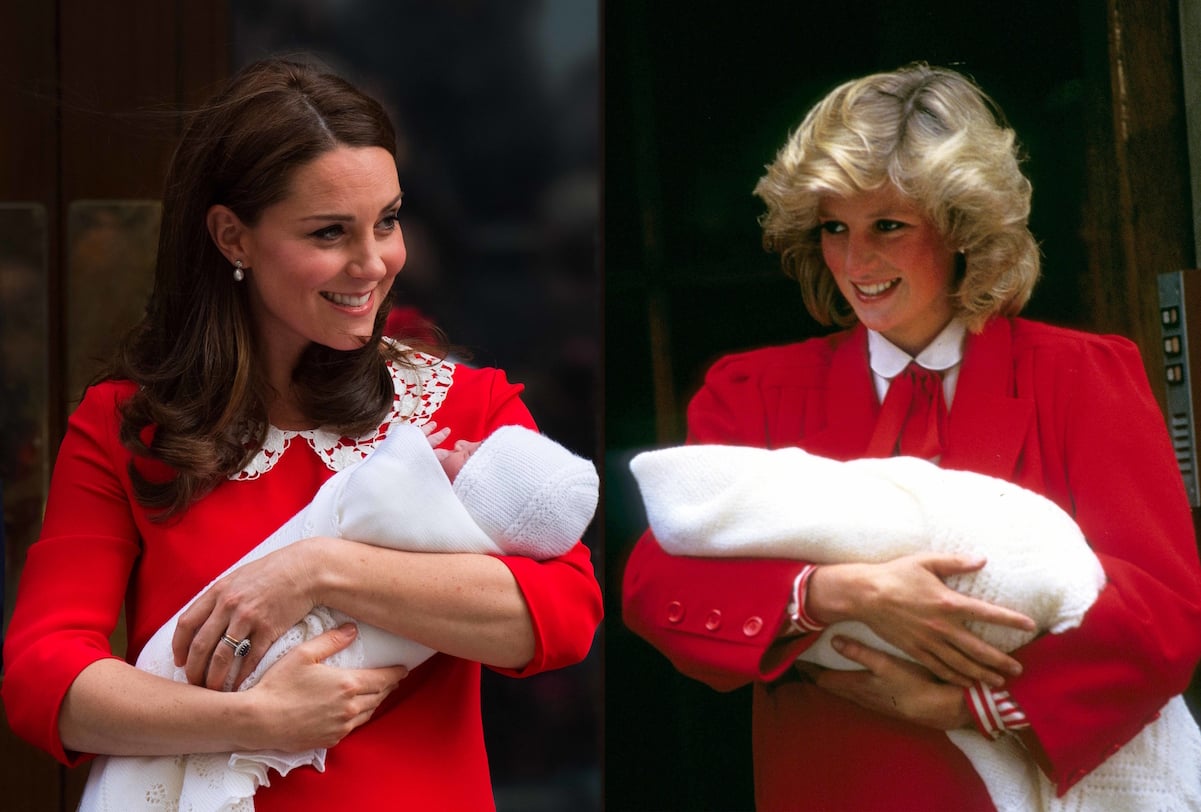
point(457, 457)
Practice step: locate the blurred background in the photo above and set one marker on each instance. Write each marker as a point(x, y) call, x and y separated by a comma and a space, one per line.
point(496, 106)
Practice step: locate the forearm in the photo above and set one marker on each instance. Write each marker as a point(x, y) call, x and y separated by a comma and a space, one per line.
point(465, 605)
point(832, 592)
point(115, 709)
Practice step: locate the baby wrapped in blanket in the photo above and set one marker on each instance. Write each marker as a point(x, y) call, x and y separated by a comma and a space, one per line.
point(517, 493)
point(733, 501)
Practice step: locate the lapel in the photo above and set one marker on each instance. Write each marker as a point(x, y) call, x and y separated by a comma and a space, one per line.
point(851, 406)
point(988, 426)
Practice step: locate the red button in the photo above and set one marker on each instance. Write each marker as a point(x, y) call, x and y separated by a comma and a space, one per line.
point(713, 622)
point(752, 626)
point(675, 612)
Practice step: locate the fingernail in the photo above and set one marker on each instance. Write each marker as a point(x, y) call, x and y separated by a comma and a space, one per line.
point(838, 643)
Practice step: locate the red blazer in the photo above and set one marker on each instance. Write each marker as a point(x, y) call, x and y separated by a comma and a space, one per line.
point(1067, 414)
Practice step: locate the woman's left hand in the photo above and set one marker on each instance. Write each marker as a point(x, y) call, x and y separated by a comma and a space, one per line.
point(257, 602)
point(893, 686)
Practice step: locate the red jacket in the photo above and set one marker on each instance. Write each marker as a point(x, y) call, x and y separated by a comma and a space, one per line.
point(1066, 414)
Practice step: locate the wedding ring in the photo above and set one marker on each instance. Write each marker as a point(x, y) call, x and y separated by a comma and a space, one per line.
point(241, 647)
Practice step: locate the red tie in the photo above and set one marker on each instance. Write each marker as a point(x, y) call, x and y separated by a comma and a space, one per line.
point(913, 418)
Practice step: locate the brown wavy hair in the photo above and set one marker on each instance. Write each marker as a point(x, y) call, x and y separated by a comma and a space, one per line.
point(942, 142)
point(200, 405)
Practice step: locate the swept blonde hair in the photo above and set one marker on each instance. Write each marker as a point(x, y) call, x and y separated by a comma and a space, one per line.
point(942, 142)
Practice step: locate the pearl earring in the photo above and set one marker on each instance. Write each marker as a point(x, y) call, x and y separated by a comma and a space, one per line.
point(239, 274)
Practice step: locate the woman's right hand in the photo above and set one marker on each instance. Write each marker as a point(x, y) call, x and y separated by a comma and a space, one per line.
point(302, 703)
point(906, 602)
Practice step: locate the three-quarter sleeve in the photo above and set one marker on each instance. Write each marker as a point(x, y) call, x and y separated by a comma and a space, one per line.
point(562, 593)
point(75, 576)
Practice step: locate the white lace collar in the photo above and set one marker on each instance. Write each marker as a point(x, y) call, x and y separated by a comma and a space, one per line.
point(419, 390)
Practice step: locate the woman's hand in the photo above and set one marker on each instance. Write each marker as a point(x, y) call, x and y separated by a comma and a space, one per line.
point(256, 602)
point(906, 602)
point(892, 686)
point(302, 703)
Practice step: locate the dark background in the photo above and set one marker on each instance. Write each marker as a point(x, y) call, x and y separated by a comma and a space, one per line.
point(698, 98)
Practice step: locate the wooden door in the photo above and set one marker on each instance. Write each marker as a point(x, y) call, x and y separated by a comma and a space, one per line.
point(90, 97)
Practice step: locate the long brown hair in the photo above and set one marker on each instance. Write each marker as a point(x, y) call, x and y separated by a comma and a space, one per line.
point(200, 402)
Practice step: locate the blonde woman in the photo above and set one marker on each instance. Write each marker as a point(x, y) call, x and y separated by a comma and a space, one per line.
point(900, 207)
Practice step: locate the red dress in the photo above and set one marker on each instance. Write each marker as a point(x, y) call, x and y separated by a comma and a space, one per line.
point(1066, 414)
point(423, 749)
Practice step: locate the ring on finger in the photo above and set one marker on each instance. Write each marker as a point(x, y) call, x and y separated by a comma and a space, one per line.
point(241, 647)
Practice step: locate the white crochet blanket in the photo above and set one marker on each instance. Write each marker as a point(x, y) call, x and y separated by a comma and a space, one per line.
point(707, 500)
point(398, 497)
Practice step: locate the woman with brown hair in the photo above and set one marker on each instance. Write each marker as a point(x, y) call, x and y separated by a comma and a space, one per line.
point(259, 371)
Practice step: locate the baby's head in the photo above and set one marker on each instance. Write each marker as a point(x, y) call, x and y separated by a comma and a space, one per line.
point(528, 493)
point(453, 459)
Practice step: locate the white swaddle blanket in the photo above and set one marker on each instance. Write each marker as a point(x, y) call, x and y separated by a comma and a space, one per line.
point(733, 501)
point(374, 501)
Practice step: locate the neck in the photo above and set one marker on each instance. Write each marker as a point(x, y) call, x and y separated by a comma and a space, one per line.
point(284, 412)
point(283, 407)
point(915, 344)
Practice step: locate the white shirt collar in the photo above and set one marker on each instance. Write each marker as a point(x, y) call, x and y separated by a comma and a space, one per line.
point(944, 352)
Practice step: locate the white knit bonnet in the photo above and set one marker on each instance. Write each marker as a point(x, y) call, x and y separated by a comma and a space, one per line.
point(528, 493)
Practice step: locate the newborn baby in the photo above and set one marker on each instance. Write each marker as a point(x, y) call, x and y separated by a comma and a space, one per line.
point(515, 493)
point(714, 500)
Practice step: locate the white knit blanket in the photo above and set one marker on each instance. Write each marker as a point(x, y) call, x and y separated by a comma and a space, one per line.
point(398, 497)
point(733, 501)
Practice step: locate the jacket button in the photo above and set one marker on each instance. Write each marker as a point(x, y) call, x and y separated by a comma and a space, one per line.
point(713, 622)
point(752, 626)
point(675, 612)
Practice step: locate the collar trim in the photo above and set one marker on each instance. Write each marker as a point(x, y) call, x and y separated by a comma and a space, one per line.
point(419, 392)
point(944, 352)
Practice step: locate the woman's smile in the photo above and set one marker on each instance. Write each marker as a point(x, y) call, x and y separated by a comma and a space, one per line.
point(339, 226)
point(890, 263)
point(874, 290)
point(353, 301)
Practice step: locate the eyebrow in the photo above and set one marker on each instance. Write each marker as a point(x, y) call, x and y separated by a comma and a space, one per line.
point(885, 213)
point(347, 218)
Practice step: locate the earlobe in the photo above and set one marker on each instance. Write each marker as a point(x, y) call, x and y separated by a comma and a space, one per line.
point(228, 232)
